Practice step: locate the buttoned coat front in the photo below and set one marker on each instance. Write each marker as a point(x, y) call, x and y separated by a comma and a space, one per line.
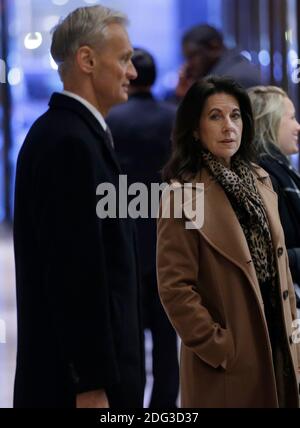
point(208, 286)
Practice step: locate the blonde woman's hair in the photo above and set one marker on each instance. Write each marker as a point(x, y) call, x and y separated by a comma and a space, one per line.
point(83, 26)
point(268, 108)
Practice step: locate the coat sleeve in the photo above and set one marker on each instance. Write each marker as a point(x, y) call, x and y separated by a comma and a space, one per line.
point(75, 283)
point(274, 185)
point(292, 297)
point(286, 218)
point(291, 255)
point(177, 270)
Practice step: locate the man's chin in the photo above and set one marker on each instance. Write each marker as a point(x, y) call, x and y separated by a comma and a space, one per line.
point(124, 98)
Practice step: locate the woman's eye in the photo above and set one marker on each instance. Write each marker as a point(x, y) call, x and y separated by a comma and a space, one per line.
point(236, 116)
point(215, 116)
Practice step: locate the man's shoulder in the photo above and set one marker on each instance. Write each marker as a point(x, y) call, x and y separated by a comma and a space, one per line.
point(141, 106)
point(167, 108)
point(234, 64)
point(54, 132)
point(56, 123)
point(55, 120)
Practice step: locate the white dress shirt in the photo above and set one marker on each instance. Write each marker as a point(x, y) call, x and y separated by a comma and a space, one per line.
point(89, 106)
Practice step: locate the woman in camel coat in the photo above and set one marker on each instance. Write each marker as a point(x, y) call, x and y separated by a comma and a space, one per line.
point(225, 284)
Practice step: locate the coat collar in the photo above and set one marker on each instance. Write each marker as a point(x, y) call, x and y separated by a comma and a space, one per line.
point(64, 102)
point(221, 228)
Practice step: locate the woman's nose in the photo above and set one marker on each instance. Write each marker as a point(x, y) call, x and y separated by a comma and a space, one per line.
point(228, 124)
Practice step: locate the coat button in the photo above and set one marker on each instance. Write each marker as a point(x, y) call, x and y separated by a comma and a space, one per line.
point(285, 294)
point(291, 340)
point(279, 251)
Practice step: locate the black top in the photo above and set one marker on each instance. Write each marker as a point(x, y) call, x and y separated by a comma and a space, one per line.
point(286, 183)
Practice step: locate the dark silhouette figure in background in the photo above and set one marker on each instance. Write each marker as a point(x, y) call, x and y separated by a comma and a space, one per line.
point(277, 132)
point(141, 131)
point(206, 54)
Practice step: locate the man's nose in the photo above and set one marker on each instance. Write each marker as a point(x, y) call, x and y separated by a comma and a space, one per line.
point(131, 72)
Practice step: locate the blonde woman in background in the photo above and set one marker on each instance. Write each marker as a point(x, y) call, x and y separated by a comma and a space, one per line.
point(276, 135)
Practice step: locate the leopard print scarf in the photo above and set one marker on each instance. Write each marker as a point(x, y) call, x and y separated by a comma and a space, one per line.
point(239, 185)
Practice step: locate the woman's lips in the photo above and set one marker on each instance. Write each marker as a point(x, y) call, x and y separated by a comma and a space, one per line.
point(227, 141)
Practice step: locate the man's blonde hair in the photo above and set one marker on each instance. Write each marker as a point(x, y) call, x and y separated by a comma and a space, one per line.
point(83, 26)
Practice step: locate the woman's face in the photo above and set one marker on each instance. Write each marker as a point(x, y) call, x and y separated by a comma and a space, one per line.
point(289, 129)
point(221, 126)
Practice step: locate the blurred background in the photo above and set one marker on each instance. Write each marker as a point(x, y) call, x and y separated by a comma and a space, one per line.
point(264, 30)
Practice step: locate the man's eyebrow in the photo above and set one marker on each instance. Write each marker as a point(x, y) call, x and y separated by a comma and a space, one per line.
point(129, 53)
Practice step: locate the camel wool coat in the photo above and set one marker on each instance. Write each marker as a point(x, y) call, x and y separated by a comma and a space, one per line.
point(209, 288)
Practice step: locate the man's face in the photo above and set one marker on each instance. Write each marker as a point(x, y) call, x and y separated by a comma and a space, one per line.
point(114, 70)
point(198, 60)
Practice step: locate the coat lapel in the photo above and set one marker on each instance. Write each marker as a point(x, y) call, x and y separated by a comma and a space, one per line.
point(270, 201)
point(221, 228)
point(64, 102)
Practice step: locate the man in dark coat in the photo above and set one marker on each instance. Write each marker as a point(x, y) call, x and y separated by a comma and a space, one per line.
point(142, 129)
point(79, 335)
point(206, 54)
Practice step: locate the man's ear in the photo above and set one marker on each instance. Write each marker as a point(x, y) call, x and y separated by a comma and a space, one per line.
point(85, 59)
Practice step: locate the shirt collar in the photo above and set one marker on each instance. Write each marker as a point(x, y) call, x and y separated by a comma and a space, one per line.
point(89, 106)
